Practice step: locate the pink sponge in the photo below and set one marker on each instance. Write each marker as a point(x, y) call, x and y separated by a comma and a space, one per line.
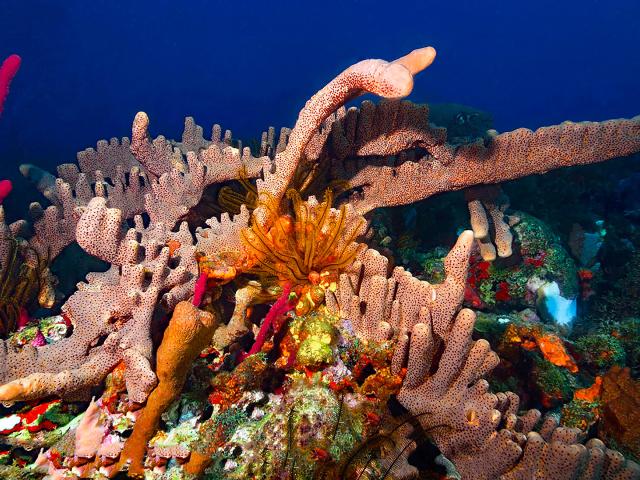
point(8, 70)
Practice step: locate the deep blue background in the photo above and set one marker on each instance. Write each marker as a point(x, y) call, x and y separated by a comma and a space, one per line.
point(89, 65)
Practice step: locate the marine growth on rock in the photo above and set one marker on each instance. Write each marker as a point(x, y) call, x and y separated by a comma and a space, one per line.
point(272, 340)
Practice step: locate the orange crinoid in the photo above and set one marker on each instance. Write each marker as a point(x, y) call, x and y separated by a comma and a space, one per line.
point(310, 246)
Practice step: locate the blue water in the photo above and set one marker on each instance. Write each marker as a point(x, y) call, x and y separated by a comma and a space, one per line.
point(88, 66)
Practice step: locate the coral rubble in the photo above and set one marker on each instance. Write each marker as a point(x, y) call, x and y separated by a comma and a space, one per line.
point(272, 340)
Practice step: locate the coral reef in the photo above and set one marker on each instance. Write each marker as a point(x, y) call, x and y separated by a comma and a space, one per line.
point(271, 340)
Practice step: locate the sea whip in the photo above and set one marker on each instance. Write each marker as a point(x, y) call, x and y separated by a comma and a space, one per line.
point(199, 289)
point(5, 189)
point(8, 70)
point(282, 306)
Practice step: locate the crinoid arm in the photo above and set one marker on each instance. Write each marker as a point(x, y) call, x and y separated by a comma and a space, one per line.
point(314, 240)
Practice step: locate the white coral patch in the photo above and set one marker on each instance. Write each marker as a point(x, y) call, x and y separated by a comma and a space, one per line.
point(7, 423)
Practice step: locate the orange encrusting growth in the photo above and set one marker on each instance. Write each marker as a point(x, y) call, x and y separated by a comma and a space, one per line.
point(550, 345)
point(217, 270)
point(553, 350)
point(309, 247)
point(590, 394)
